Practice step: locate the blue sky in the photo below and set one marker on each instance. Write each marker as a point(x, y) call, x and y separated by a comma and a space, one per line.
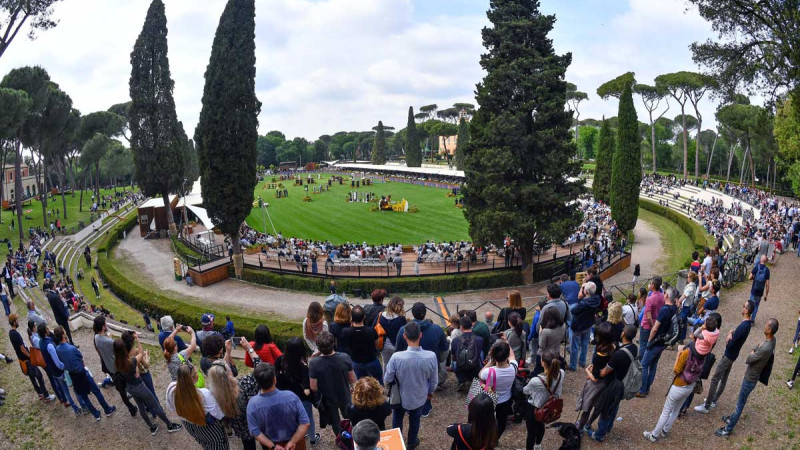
point(330, 65)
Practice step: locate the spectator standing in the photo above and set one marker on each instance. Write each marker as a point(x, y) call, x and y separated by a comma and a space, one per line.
point(24, 358)
point(760, 289)
point(313, 325)
point(538, 391)
point(176, 358)
point(105, 348)
point(147, 322)
point(96, 288)
point(480, 431)
point(341, 321)
point(362, 342)
point(54, 368)
point(331, 375)
point(366, 435)
point(734, 342)
point(215, 348)
point(275, 417)
point(582, 321)
point(369, 403)
point(759, 368)
point(207, 321)
point(569, 289)
point(230, 331)
point(630, 312)
point(391, 320)
point(373, 310)
point(198, 409)
point(653, 303)
point(502, 366)
point(516, 336)
point(60, 311)
point(291, 370)
point(82, 380)
point(414, 373)
point(466, 350)
point(595, 383)
point(34, 316)
point(5, 297)
point(619, 364)
point(433, 339)
point(264, 346)
point(514, 306)
point(655, 345)
point(167, 327)
point(480, 329)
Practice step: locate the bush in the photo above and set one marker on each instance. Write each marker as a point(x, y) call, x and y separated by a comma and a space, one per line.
point(433, 284)
point(115, 233)
point(694, 230)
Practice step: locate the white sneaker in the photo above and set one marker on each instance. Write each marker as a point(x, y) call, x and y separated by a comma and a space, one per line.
point(701, 409)
point(791, 349)
point(649, 436)
point(790, 383)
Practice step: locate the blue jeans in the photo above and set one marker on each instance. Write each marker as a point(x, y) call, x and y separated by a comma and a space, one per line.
point(86, 403)
point(580, 342)
point(685, 310)
point(310, 413)
point(371, 369)
point(649, 367)
point(644, 335)
point(744, 393)
point(6, 306)
point(61, 382)
point(604, 426)
point(414, 417)
point(756, 301)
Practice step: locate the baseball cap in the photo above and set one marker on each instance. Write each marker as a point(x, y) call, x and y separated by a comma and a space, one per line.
point(207, 318)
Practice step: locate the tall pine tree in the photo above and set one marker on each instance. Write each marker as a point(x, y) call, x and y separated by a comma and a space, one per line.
point(379, 145)
point(156, 139)
point(520, 179)
point(626, 174)
point(604, 160)
point(227, 133)
point(413, 151)
point(462, 142)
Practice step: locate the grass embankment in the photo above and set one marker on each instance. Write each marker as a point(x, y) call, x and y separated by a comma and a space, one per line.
point(122, 311)
point(676, 245)
point(328, 216)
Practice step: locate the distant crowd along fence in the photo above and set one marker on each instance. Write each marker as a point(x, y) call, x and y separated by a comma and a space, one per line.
point(547, 264)
point(393, 178)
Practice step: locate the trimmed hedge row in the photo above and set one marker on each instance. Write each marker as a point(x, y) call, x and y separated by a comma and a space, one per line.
point(140, 297)
point(434, 284)
point(694, 230)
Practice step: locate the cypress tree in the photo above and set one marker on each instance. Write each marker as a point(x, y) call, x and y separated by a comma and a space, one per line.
point(626, 174)
point(605, 157)
point(379, 145)
point(156, 138)
point(227, 133)
point(520, 179)
point(462, 142)
point(413, 151)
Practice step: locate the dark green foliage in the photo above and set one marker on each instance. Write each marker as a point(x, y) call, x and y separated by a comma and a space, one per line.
point(605, 157)
point(157, 140)
point(14, 106)
point(614, 88)
point(192, 165)
point(694, 230)
point(626, 174)
point(413, 150)
point(227, 133)
point(518, 166)
point(379, 145)
point(462, 142)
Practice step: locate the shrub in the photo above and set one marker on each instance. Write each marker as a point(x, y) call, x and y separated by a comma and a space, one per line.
point(694, 230)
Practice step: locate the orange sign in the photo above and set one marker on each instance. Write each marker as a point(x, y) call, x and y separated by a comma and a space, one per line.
point(392, 440)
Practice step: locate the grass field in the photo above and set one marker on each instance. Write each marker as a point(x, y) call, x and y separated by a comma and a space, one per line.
point(330, 217)
point(32, 214)
point(676, 244)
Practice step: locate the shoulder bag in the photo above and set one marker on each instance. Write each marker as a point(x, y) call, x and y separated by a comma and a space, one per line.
point(551, 410)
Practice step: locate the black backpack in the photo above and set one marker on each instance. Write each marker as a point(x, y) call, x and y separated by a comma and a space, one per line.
point(468, 356)
point(671, 336)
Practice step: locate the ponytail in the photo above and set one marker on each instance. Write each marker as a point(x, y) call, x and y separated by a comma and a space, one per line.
point(553, 364)
point(516, 322)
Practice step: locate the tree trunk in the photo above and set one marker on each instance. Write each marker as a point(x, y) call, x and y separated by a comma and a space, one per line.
point(173, 230)
point(730, 162)
point(752, 168)
point(43, 193)
point(653, 141)
point(711, 156)
point(83, 188)
point(238, 259)
point(744, 160)
point(697, 147)
point(62, 179)
point(685, 146)
point(3, 175)
point(18, 185)
point(527, 263)
point(97, 182)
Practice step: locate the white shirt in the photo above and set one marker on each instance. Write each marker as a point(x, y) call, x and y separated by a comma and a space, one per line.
point(210, 404)
point(629, 314)
point(505, 380)
point(707, 265)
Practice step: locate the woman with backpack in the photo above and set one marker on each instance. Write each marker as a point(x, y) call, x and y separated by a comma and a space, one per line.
point(688, 368)
point(480, 431)
point(540, 390)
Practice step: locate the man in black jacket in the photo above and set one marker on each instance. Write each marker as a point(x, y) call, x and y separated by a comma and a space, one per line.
point(582, 320)
point(60, 311)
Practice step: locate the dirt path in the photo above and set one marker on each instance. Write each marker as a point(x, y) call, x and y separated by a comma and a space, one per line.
point(646, 253)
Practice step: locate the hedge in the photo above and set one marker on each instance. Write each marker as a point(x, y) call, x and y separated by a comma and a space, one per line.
point(694, 230)
point(140, 297)
point(433, 284)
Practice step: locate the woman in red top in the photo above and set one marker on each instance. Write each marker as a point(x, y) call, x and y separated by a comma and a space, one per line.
point(264, 346)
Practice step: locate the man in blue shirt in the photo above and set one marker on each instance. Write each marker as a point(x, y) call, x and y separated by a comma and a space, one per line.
point(417, 368)
point(82, 381)
point(760, 289)
point(275, 417)
point(735, 340)
point(569, 289)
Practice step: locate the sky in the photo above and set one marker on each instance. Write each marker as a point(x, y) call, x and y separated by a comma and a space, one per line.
point(331, 65)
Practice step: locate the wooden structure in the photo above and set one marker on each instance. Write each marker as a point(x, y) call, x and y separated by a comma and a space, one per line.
point(210, 273)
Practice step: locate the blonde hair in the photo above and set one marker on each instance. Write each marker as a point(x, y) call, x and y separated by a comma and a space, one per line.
point(188, 400)
point(615, 312)
point(396, 305)
point(692, 277)
point(224, 388)
point(368, 393)
point(342, 314)
point(514, 299)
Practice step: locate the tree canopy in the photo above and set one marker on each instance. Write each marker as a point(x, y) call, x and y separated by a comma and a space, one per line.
point(412, 148)
point(626, 174)
point(614, 88)
point(38, 14)
point(606, 148)
point(379, 145)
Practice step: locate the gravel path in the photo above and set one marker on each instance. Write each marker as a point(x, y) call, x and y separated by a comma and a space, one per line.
point(646, 253)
